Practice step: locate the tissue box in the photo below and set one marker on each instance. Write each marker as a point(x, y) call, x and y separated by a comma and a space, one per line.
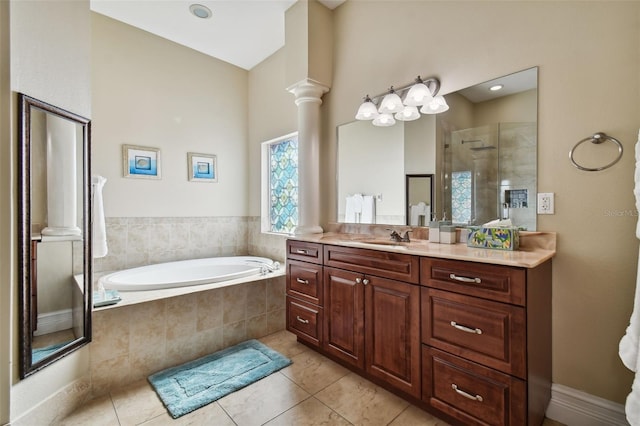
point(500, 238)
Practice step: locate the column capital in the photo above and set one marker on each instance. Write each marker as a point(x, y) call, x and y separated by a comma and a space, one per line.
point(308, 90)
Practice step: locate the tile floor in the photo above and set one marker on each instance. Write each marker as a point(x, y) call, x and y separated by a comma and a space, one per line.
point(312, 391)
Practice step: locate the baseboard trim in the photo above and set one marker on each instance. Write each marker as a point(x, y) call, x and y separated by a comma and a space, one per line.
point(54, 321)
point(574, 407)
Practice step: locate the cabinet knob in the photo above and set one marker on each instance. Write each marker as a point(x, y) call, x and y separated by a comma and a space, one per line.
point(365, 281)
point(358, 280)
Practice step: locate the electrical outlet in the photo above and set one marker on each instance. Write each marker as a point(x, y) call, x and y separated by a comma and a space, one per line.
point(545, 203)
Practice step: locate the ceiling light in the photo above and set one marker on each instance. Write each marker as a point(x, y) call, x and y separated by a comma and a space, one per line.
point(200, 11)
point(496, 87)
point(367, 110)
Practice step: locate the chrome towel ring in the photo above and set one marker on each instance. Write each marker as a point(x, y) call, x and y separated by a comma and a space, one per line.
point(597, 139)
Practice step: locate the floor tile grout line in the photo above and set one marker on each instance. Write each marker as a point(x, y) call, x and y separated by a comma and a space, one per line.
point(341, 416)
point(225, 412)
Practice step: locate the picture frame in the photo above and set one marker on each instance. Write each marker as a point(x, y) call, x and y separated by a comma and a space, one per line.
point(202, 167)
point(141, 162)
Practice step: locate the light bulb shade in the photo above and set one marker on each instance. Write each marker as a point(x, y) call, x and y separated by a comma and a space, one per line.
point(409, 113)
point(418, 95)
point(391, 104)
point(367, 111)
point(436, 106)
point(384, 120)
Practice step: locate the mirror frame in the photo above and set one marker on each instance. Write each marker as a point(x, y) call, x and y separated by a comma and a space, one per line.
point(407, 181)
point(25, 104)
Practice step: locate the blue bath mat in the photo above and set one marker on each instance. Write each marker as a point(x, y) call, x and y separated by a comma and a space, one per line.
point(197, 383)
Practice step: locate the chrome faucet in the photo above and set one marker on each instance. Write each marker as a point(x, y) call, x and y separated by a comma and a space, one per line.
point(397, 237)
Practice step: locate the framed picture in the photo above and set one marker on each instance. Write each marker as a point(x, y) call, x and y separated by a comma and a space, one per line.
point(141, 162)
point(202, 167)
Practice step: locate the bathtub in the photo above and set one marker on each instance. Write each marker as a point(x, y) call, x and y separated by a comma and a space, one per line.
point(186, 273)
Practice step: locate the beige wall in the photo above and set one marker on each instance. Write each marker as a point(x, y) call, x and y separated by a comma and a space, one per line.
point(49, 60)
point(464, 43)
point(152, 92)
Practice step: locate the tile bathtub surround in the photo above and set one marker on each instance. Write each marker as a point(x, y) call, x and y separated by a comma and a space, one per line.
point(139, 241)
point(134, 341)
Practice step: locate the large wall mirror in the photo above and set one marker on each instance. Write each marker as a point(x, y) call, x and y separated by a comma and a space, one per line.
point(482, 154)
point(55, 233)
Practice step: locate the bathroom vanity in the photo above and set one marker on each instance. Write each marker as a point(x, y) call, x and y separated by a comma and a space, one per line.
point(465, 333)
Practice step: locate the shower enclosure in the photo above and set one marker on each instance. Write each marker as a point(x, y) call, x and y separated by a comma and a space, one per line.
point(489, 174)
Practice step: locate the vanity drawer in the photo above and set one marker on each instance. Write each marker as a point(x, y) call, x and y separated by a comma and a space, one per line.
point(304, 281)
point(304, 320)
point(494, 282)
point(471, 393)
point(396, 266)
point(302, 250)
point(487, 332)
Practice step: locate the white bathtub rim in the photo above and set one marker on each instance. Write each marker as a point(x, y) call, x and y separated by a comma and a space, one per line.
point(248, 266)
point(130, 298)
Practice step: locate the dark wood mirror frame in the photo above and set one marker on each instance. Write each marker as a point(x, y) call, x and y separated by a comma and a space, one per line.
point(26, 250)
point(407, 187)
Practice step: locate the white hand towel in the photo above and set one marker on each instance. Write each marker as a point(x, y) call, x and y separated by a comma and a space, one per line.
point(358, 200)
point(350, 213)
point(99, 227)
point(368, 209)
point(628, 349)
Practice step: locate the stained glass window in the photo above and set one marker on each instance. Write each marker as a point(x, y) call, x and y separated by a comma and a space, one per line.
point(283, 185)
point(461, 197)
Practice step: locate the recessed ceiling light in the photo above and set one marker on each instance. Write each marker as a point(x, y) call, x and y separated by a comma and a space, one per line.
point(200, 11)
point(496, 87)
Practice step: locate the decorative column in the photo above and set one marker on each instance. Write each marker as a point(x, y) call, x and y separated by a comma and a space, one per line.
point(62, 198)
point(308, 95)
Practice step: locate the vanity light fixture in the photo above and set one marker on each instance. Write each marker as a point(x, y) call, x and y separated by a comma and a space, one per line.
point(420, 93)
point(368, 110)
point(391, 103)
point(384, 120)
point(200, 11)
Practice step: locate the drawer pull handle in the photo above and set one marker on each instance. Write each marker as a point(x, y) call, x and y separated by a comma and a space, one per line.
point(465, 279)
point(301, 281)
point(302, 251)
point(466, 329)
point(466, 394)
point(302, 320)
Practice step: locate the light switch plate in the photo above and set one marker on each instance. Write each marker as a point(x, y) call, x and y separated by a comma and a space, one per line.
point(546, 204)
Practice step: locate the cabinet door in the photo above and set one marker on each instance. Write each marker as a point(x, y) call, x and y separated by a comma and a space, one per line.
point(392, 334)
point(344, 315)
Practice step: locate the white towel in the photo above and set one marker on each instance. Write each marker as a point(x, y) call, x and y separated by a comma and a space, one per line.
point(350, 212)
point(417, 210)
point(99, 227)
point(629, 348)
point(368, 209)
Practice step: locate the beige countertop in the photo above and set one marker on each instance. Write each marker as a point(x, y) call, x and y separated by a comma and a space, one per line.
point(535, 248)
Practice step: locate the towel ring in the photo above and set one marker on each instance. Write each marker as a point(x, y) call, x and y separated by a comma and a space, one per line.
point(597, 139)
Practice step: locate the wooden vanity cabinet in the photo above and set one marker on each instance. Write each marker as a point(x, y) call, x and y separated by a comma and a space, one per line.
point(486, 334)
point(373, 322)
point(304, 281)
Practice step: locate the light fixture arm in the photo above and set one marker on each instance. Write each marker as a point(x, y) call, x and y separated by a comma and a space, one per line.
point(432, 83)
